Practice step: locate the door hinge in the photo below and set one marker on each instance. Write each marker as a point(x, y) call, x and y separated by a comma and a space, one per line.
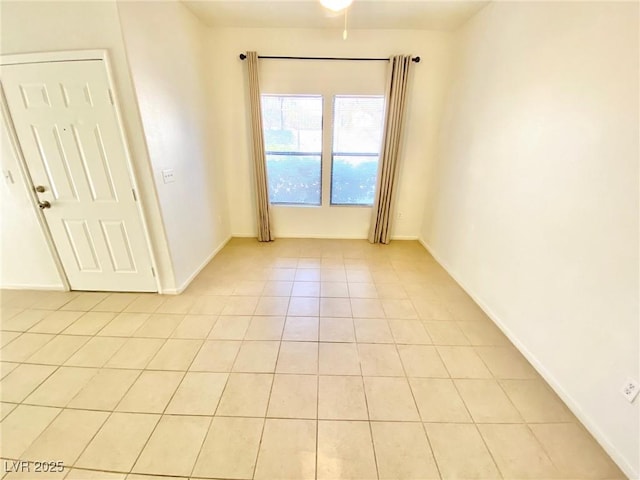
point(153, 272)
point(135, 197)
point(111, 97)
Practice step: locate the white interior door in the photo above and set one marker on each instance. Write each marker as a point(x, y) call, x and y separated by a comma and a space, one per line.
point(70, 136)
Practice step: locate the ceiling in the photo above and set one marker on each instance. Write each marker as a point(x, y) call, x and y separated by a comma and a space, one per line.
point(375, 14)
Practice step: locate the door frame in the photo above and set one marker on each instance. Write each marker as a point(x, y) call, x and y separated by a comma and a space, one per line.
point(67, 56)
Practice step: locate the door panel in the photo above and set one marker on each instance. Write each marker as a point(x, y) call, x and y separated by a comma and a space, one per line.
point(70, 136)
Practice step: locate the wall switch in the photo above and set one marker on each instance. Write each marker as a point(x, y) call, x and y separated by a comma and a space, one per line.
point(168, 176)
point(630, 390)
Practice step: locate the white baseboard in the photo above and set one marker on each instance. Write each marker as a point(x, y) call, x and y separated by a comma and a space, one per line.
point(14, 286)
point(573, 405)
point(187, 282)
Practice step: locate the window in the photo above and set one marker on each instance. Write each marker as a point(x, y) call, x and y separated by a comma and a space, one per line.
point(293, 146)
point(357, 135)
point(293, 135)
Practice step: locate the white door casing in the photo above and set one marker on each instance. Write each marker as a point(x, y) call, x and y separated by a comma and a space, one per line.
point(66, 123)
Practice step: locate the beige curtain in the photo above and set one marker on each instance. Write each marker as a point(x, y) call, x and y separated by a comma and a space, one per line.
point(259, 158)
point(379, 231)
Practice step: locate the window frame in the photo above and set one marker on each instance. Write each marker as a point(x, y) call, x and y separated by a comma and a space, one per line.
point(353, 154)
point(319, 154)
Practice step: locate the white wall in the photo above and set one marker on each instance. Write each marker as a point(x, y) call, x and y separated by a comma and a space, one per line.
point(54, 26)
point(232, 122)
point(167, 51)
point(534, 203)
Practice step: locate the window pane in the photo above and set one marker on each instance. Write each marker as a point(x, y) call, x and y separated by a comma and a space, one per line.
point(354, 179)
point(293, 144)
point(357, 135)
point(294, 178)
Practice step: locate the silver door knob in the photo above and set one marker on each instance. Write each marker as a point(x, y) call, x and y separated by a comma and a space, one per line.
point(40, 189)
point(44, 205)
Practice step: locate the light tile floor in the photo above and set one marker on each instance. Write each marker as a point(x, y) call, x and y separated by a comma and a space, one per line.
point(299, 359)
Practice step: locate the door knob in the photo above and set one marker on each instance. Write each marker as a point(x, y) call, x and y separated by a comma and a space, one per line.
point(40, 189)
point(44, 205)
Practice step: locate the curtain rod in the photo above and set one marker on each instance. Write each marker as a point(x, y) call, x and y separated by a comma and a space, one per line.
point(358, 59)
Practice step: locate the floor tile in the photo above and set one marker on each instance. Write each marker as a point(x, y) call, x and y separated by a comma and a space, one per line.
point(517, 452)
point(335, 307)
point(7, 367)
point(460, 451)
point(61, 386)
point(257, 357)
point(487, 402)
point(345, 450)
point(446, 333)
point(77, 474)
point(334, 289)
point(85, 302)
point(24, 346)
point(274, 288)
point(363, 290)
point(158, 325)
point(338, 359)
point(422, 361)
point(506, 362)
point(194, 326)
point(483, 333)
point(536, 402)
point(293, 396)
point(369, 330)
point(135, 353)
point(379, 360)
point(22, 427)
point(400, 309)
point(304, 307)
point(341, 398)
point(151, 392)
point(24, 320)
point(175, 354)
point(6, 409)
point(7, 337)
point(230, 448)
point(23, 380)
point(367, 308)
point(463, 362)
point(574, 452)
point(402, 451)
point(96, 352)
point(293, 440)
point(58, 350)
point(176, 304)
point(90, 323)
point(249, 288)
point(116, 302)
point(409, 332)
point(208, 305)
point(265, 328)
point(105, 389)
point(118, 443)
point(230, 328)
point(301, 329)
point(245, 305)
point(56, 322)
point(305, 289)
point(66, 436)
point(173, 446)
point(246, 395)
point(298, 357)
point(337, 330)
point(438, 400)
point(124, 324)
point(272, 306)
point(390, 399)
point(216, 356)
point(198, 394)
point(145, 304)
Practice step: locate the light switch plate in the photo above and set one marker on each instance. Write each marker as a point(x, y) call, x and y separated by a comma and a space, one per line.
point(168, 176)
